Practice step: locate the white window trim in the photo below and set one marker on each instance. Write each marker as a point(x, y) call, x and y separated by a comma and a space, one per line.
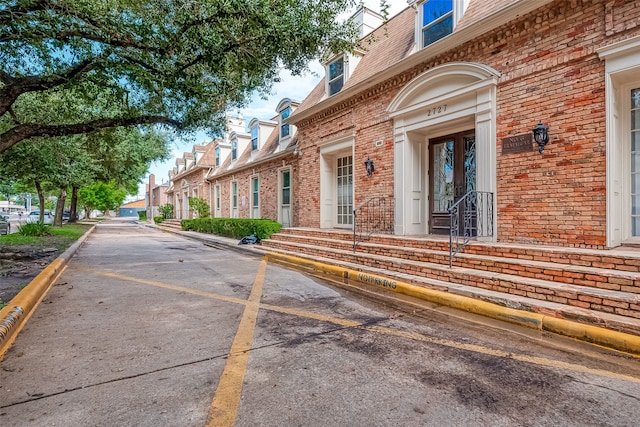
point(279, 189)
point(217, 200)
point(345, 65)
point(459, 7)
point(251, 205)
point(622, 68)
point(231, 206)
point(283, 105)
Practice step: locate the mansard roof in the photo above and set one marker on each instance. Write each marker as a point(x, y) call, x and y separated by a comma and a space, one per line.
point(392, 49)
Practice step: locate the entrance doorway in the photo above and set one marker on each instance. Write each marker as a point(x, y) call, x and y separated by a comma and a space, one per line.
point(453, 174)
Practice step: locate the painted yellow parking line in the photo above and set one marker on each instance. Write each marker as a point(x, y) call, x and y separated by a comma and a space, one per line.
point(227, 398)
point(403, 334)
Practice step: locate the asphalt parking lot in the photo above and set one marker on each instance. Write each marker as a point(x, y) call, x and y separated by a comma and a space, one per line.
point(147, 328)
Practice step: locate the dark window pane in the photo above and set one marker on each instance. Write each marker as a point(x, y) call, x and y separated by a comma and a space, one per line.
point(336, 69)
point(437, 31)
point(335, 86)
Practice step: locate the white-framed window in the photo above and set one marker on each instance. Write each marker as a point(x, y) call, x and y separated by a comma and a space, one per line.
point(254, 138)
point(634, 136)
point(437, 20)
point(217, 156)
point(234, 199)
point(234, 149)
point(335, 76)
point(217, 201)
point(234, 194)
point(255, 196)
point(284, 197)
point(285, 130)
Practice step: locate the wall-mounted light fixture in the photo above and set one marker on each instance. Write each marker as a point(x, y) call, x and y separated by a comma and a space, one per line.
point(369, 165)
point(541, 136)
point(297, 152)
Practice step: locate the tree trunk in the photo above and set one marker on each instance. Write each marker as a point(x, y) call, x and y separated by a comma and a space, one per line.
point(41, 199)
point(62, 198)
point(73, 208)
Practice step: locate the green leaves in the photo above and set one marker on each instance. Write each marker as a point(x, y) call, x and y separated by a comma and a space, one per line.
point(164, 61)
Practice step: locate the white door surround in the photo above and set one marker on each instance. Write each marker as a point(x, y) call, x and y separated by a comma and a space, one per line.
point(330, 151)
point(622, 74)
point(443, 100)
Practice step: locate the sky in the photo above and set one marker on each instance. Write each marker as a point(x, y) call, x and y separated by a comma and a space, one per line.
point(295, 88)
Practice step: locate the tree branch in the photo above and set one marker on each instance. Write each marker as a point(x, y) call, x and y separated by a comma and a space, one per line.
point(29, 130)
point(14, 87)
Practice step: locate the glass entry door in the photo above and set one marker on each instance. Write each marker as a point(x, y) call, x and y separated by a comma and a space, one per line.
point(453, 174)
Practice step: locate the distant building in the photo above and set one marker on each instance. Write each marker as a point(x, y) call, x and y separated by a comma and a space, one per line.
point(155, 196)
point(131, 208)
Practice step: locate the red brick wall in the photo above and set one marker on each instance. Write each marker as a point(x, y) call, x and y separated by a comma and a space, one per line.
point(550, 71)
point(267, 173)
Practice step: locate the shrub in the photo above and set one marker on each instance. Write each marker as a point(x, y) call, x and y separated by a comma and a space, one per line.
point(233, 227)
point(199, 206)
point(142, 215)
point(166, 211)
point(158, 219)
point(35, 229)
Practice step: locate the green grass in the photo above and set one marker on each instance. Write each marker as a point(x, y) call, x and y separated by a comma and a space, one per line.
point(60, 237)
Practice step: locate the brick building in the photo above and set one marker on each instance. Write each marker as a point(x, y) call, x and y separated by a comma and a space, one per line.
point(188, 178)
point(525, 114)
point(446, 105)
point(155, 196)
point(254, 179)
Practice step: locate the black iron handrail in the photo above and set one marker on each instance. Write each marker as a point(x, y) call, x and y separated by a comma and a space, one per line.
point(476, 210)
point(373, 216)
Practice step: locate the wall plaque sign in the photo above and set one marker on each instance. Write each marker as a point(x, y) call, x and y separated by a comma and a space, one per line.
point(517, 144)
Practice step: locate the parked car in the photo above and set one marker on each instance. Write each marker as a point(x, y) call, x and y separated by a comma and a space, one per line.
point(35, 217)
point(66, 215)
point(5, 225)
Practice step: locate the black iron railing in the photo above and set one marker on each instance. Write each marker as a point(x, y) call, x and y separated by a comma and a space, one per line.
point(470, 217)
point(373, 216)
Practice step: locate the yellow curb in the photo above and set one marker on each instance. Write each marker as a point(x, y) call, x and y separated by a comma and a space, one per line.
point(594, 334)
point(17, 312)
point(14, 315)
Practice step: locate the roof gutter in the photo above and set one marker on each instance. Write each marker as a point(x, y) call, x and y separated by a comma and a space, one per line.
point(515, 10)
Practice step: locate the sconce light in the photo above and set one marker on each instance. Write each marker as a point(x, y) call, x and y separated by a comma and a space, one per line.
point(541, 136)
point(297, 152)
point(369, 165)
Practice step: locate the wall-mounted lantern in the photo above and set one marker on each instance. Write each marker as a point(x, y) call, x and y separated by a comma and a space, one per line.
point(369, 165)
point(541, 136)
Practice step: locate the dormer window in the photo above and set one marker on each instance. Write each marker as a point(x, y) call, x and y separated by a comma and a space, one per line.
point(284, 127)
point(217, 156)
point(254, 138)
point(336, 76)
point(195, 157)
point(437, 20)
point(234, 149)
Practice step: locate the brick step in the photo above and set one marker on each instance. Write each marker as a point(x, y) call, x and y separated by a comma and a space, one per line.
point(172, 224)
point(607, 320)
point(602, 278)
point(597, 299)
point(622, 259)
